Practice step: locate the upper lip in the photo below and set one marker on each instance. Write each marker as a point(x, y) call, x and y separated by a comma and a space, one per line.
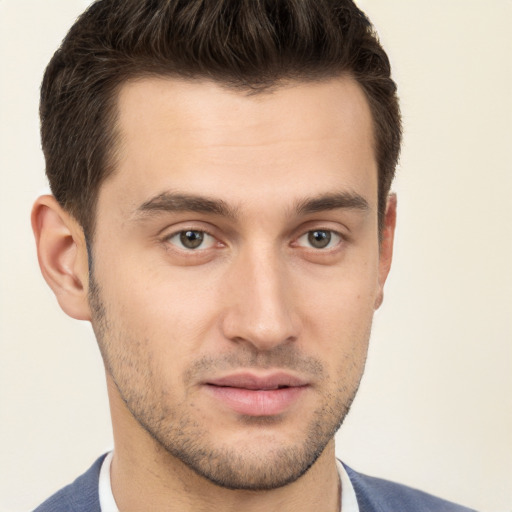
point(252, 381)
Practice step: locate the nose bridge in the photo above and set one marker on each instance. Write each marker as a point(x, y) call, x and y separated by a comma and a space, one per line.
point(261, 307)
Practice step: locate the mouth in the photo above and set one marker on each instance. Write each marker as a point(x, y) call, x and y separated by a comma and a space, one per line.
point(256, 395)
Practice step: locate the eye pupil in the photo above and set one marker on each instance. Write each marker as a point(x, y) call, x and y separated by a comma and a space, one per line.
point(191, 239)
point(319, 239)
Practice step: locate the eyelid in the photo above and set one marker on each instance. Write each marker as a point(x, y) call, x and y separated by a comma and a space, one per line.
point(167, 234)
point(207, 242)
point(322, 224)
point(339, 238)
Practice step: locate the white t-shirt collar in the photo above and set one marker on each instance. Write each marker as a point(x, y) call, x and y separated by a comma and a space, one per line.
point(107, 501)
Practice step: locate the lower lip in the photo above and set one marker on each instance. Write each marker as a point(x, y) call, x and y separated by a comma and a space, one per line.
point(257, 402)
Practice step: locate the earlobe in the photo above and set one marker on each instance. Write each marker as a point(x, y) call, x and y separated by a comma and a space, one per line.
point(386, 246)
point(62, 255)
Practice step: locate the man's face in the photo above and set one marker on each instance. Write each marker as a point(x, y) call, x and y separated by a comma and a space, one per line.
point(236, 272)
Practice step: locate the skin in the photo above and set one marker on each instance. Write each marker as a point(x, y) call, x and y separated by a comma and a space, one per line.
point(258, 295)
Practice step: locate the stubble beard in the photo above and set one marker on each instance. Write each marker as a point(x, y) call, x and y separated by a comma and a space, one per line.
point(177, 432)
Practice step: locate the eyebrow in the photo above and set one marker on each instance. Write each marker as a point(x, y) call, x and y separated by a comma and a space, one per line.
point(332, 201)
point(180, 202)
point(177, 202)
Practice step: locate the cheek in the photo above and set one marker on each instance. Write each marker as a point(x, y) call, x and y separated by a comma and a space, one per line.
point(338, 314)
point(170, 310)
point(341, 295)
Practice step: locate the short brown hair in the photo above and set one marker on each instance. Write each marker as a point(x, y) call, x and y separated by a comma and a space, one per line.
point(246, 44)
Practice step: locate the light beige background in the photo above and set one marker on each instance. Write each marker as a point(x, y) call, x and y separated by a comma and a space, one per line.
point(434, 410)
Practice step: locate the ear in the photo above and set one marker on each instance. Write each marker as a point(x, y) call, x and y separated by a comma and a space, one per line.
point(62, 255)
point(386, 246)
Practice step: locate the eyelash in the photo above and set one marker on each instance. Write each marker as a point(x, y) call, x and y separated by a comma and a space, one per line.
point(332, 234)
point(168, 239)
point(338, 238)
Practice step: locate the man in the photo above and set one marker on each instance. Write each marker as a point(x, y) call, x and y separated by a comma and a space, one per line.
point(221, 214)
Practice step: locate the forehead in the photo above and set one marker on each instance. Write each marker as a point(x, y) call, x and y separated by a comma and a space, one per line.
point(191, 134)
point(332, 108)
point(201, 102)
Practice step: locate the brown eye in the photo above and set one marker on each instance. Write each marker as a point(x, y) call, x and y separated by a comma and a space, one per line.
point(191, 239)
point(319, 239)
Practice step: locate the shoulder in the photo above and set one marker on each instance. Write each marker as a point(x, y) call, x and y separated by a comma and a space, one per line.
point(79, 496)
point(377, 495)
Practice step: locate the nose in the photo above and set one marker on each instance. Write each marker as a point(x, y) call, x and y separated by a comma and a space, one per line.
point(261, 310)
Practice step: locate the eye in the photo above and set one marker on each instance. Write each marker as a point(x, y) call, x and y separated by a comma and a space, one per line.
point(319, 239)
point(192, 239)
